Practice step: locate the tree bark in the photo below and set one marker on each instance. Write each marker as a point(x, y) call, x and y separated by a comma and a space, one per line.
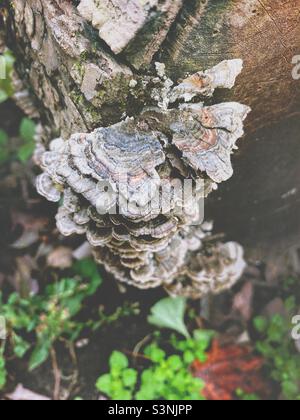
point(80, 80)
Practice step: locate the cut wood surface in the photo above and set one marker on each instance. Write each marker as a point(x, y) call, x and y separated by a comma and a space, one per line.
point(264, 33)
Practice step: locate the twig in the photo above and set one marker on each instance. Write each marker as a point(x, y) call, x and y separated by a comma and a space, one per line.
point(140, 344)
point(75, 375)
point(57, 375)
point(136, 355)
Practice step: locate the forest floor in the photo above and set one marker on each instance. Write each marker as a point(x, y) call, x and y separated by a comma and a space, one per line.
point(252, 322)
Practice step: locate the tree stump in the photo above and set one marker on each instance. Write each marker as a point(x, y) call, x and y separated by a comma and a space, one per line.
point(79, 66)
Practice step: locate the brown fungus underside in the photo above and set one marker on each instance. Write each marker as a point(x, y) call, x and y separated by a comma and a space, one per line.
point(118, 186)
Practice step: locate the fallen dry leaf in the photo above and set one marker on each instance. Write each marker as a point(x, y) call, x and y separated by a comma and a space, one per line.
point(84, 251)
point(31, 227)
point(61, 258)
point(22, 279)
point(23, 394)
point(28, 238)
point(275, 307)
point(28, 221)
point(242, 301)
point(228, 369)
point(277, 267)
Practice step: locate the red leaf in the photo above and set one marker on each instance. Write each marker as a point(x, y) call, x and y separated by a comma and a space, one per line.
point(228, 369)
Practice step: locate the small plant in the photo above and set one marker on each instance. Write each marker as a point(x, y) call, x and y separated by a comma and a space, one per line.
point(27, 133)
point(126, 310)
point(243, 396)
point(279, 350)
point(43, 319)
point(167, 378)
point(25, 150)
point(120, 383)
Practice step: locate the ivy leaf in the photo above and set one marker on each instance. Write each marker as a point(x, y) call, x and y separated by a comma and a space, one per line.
point(169, 313)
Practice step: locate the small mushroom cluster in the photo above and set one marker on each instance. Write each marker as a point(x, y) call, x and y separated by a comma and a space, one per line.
point(122, 186)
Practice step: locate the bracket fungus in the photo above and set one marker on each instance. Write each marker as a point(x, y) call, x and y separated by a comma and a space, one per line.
point(118, 186)
point(205, 83)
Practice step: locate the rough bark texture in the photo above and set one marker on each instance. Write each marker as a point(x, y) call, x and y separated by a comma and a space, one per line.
point(80, 81)
point(135, 28)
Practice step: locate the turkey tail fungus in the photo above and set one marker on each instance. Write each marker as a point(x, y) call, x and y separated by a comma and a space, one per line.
point(110, 184)
point(125, 135)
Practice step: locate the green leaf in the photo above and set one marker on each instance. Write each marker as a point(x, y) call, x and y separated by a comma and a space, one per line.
point(3, 373)
point(27, 130)
point(130, 378)
point(169, 313)
point(27, 133)
point(3, 138)
point(290, 389)
point(123, 395)
point(147, 376)
point(25, 152)
point(104, 384)
point(3, 96)
point(39, 355)
point(261, 324)
point(4, 152)
point(20, 346)
point(189, 357)
point(118, 361)
point(290, 304)
point(3, 376)
point(175, 362)
point(155, 353)
point(203, 338)
point(146, 393)
point(87, 268)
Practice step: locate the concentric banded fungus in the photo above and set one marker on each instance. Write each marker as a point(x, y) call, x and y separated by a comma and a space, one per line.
point(207, 136)
point(121, 187)
point(205, 83)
